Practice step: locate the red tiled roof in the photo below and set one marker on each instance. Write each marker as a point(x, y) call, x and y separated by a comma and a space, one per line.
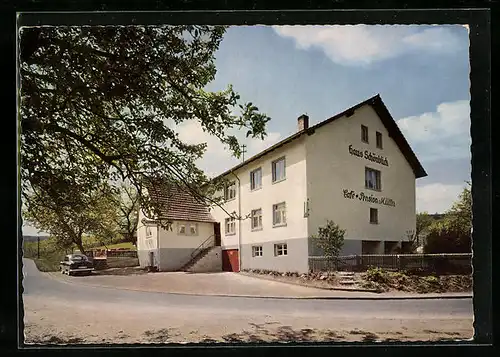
point(179, 204)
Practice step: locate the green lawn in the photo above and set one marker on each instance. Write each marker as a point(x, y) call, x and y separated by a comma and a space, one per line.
point(126, 245)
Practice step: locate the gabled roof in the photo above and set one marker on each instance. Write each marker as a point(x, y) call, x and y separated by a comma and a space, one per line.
point(178, 204)
point(385, 117)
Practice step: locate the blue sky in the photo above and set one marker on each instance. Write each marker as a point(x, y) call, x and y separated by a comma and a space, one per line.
point(421, 73)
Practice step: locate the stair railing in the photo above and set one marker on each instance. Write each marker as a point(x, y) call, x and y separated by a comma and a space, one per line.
point(201, 247)
point(198, 251)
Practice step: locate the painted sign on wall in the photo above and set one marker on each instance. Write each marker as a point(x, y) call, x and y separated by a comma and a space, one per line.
point(369, 156)
point(361, 196)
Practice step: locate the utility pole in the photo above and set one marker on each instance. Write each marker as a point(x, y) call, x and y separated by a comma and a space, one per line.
point(243, 151)
point(38, 246)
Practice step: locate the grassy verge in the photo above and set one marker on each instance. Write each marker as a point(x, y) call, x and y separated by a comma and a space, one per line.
point(47, 261)
point(125, 245)
point(51, 255)
point(47, 265)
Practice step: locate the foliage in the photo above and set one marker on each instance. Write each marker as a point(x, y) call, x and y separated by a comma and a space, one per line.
point(453, 233)
point(385, 281)
point(460, 214)
point(127, 203)
point(126, 245)
point(330, 239)
point(51, 254)
point(422, 224)
point(377, 275)
point(100, 105)
point(68, 223)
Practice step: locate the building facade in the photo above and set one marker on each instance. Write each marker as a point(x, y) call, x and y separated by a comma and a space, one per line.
point(355, 168)
point(192, 230)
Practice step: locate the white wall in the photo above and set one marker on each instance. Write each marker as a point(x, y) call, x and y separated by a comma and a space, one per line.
point(170, 238)
point(143, 242)
point(331, 168)
point(146, 244)
point(211, 262)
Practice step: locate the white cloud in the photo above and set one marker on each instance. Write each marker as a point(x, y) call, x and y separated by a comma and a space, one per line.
point(358, 45)
point(443, 134)
point(217, 157)
point(437, 197)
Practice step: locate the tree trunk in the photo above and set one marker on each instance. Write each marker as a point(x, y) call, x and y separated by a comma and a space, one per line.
point(80, 245)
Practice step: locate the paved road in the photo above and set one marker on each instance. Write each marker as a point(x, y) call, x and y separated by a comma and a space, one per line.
point(41, 286)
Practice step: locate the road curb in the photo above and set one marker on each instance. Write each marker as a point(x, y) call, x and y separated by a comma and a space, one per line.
point(413, 297)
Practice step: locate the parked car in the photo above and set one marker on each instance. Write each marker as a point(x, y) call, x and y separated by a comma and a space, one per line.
point(76, 264)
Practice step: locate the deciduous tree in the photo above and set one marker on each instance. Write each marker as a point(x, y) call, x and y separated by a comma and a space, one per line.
point(92, 214)
point(453, 233)
point(101, 105)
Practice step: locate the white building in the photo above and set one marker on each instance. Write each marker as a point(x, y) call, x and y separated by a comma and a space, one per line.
point(355, 168)
point(193, 240)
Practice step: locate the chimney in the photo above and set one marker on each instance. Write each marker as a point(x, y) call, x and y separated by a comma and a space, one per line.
point(303, 122)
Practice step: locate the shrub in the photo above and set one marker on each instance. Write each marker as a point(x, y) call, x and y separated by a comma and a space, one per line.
point(430, 279)
point(377, 275)
point(445, 238)
point(330, 239)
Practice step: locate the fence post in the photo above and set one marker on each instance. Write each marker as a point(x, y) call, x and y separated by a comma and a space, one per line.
point(358, 263)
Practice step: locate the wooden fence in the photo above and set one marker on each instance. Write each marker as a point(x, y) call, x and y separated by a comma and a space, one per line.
point(113, 258)
point(438, 263)
point(112, 253)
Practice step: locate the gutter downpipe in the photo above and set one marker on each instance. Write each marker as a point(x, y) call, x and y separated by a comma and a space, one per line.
point(239, 220)
point(158, 245)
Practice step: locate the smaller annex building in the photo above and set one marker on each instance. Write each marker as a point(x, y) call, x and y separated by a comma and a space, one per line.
point(193, 242)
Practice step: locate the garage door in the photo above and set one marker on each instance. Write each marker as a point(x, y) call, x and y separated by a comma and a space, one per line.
point(230, 260)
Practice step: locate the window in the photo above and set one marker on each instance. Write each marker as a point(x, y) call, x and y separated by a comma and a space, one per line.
point(278, 168)
point(279, 214)
point(256, 179)
point(364, 133)
point(148, 232)
point(372, 179)
point(181, 229)
point(256, 219)
point(379, 140)
point(373, 215)
point(193, 229)
point(280, 249)
point(230, 191)
point(230, 226)
point(257, 251)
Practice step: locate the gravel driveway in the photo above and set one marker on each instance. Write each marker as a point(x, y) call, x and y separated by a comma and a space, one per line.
point(225, 283)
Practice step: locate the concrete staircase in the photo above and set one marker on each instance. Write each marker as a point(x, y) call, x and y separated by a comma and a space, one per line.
point(208, 260)
point(346, 278)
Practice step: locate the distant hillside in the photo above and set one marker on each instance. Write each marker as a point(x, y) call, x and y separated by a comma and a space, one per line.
point(33, 238)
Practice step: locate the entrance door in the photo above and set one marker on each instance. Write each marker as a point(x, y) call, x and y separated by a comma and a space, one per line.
point(230, 260)
point(217, 234)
